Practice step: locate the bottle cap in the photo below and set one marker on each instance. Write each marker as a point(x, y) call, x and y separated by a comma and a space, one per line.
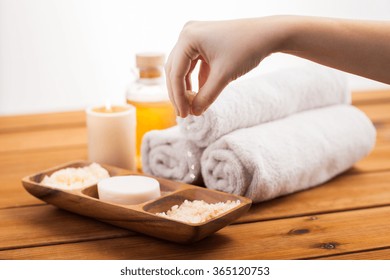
point(145, 60)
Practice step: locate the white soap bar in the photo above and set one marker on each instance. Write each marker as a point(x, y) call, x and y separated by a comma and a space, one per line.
point(128, 190)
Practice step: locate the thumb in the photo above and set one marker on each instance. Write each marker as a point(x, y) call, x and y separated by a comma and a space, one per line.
point(207, 94)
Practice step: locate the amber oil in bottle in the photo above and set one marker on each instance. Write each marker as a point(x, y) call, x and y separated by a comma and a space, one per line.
point(149, 95)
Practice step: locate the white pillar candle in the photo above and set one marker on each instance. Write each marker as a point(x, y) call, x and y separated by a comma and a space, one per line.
point(128, 190)
point(111, 135)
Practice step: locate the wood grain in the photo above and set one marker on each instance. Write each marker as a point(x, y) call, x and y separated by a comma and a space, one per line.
point(45, 225)
point(140, 217)
point(32, 161)
point(77, 136)
point(33, 131)
point(340, 194)
point(351, 211)
point(376, 112)
point(383, 133)
point(41, 121)
point(295, 238)
point(378, 160)
point(315, 201)
point(371, 97)
point(332, 196)
point(43, 139)
point(77, 118)
point(377, 254)
point(15, 166)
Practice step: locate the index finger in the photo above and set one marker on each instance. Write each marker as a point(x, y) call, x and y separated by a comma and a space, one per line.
point(168, 67)
point(181, 65)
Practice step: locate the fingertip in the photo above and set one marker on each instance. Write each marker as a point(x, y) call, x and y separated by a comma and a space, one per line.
point(169, 88)
point(197, 110)
point(208, 93)
point(185, 111)
point(178, 89)
point(176, 111)
point(184, 115)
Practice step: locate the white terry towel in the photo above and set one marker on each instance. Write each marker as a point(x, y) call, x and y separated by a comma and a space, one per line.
point(267, 97)
point(288, 155)
point(167, 153)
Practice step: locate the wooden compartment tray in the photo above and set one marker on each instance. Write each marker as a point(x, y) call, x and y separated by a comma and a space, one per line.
point(141, 218)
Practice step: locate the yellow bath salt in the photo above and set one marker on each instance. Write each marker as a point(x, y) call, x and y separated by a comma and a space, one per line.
point(198, 211)
point(76, 178)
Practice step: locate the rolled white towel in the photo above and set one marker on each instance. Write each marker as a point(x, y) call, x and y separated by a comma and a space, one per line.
point(267, 97)
point(288, 155)
point(168, 154)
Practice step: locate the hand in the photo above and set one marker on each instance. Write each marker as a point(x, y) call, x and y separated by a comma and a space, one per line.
point(226, 51)
point(229, 49)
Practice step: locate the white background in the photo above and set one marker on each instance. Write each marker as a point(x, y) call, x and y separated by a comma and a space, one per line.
point(279, 269)
point(58, 55)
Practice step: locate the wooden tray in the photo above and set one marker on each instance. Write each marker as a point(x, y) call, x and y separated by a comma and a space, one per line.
point(140, 218)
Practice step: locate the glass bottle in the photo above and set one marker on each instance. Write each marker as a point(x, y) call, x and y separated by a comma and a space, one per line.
point(149, 95)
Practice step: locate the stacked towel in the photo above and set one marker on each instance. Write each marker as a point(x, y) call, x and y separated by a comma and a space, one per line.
point(288, 155)
point(266, 98)
point(266, 136)
point(167, 153)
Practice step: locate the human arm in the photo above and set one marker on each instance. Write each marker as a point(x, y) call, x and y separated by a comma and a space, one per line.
point(229, 49)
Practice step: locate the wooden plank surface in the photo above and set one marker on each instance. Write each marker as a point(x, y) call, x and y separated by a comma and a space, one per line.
point(44, 225)
point(15, 166)
point(340, 195)
point(294, 238)
point(376, 112)
point(41, 121)
point(33, 153)
point(376, 254)
point(351, 211)
point(378, 160)
point(77, 118)
point(371, 97)
point(43, 139)
point(351, 190)
point(382, 133)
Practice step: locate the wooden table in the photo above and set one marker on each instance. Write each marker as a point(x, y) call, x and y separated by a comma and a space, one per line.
point(346, 218)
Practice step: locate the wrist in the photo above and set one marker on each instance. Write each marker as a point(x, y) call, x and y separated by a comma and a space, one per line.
point(287, 28)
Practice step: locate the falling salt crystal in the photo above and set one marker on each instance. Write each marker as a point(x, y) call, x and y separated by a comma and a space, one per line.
point(193, 167)
point(192, 176)
point(189, 154)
